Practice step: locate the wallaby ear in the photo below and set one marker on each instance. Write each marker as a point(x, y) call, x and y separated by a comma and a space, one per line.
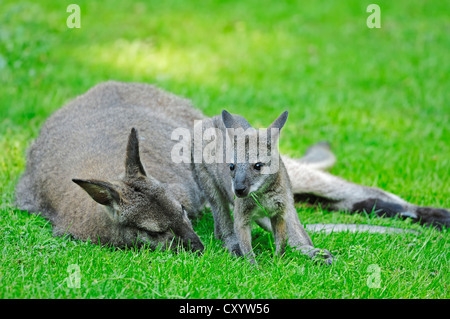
point(277, 125)
point(280, 121)
point(133, 164)
point(228, 119)
point(102, 192)
point(234, 121)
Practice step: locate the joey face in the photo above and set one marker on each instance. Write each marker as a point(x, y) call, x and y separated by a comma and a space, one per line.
point(247, 178)
point(142, 207)
point(255, 156)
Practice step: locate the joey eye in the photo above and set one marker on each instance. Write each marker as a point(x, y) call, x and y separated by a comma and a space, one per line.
point(231, 166)
point(258, 166)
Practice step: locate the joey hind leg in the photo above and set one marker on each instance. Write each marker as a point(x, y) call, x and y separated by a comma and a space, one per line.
point(298, 239)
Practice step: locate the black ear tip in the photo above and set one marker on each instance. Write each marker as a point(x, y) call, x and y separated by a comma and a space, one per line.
point(81, 182)
point(284, 117)
point(133, 137)
point(227, 116)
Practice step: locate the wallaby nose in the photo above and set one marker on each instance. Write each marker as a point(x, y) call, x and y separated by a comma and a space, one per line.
point(194, 244)
point(190, 240)
point(197, 248)
point(240, 191)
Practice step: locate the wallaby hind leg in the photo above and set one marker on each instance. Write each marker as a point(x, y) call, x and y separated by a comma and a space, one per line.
point(298, 239)
point(342, 195)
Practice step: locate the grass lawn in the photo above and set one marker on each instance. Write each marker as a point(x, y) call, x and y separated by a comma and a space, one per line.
point(380, 96)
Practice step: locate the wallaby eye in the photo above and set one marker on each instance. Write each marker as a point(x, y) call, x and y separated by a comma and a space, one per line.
point(258, 166)
point(231, 167)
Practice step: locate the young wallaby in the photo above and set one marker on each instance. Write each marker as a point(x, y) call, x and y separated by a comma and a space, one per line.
point(253, 179)
point(84, 140)
point(261, 191)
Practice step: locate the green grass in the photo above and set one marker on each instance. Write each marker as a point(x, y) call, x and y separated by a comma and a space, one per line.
point(380, 96)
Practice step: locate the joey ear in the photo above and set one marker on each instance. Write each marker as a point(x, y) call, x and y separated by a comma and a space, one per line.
point(280, 121)
point(278, 125)
point(228, 119)
point(102, 192)
point(133, 164)
point(234, 121)
point(230, 123)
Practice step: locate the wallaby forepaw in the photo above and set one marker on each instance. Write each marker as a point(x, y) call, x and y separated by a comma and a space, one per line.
point(234, 249)
point(321, 256)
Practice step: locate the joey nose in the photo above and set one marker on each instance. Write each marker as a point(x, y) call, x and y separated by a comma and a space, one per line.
point(241, 191)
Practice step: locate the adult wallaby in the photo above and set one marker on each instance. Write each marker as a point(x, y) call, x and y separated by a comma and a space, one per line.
point(87, 134)
point(129, 207)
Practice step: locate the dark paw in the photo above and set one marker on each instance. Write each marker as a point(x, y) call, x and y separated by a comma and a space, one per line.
point(435, 217)
point(427, 216)
point(321, 256)
point(234, 249)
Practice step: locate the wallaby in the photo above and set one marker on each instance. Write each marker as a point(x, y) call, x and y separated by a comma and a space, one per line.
point(222, 177)
point(84, 138)
point(257, 190)
point(131, 208)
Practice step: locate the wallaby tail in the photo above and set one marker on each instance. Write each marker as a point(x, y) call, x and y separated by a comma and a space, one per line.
point(264, 223)
point(319, 156)
point(353, 228)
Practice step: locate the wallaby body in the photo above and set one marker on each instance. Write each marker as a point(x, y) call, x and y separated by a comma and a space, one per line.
point(86, 138)
point(220, 186)
point(259, 181)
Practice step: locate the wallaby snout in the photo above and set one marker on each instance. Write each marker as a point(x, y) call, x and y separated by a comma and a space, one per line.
point(188, 238)
point(241, 191)
point(240, 183)
point(191, 242)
